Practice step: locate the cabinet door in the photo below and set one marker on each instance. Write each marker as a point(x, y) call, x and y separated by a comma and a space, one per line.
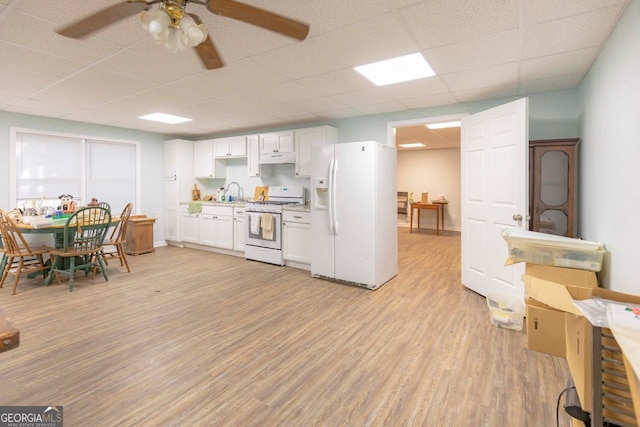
point(208, 230)
point(268, 143)
point(170, 159)
point(203, 159)
point(221, 147)
point(285, 142)
point(238, 233)
point(225, 232)
point(254, 168)
point(296, 244)
point(304, 140)
point(552, 165)
point(238, 146)
point(171, 225)
point(190, 228)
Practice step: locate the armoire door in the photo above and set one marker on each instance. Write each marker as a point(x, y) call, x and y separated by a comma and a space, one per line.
point(552, 191)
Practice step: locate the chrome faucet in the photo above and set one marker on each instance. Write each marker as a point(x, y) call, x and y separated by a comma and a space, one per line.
point(229, 186)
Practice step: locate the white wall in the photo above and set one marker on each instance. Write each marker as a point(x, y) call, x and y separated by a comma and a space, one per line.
point(609, 195)
point(151, 153)
point(438, 173)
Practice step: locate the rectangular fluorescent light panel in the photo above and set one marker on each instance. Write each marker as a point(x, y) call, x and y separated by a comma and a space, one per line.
point(455, 124)
point(396, 70)
point(165, 118)
point(412, 145)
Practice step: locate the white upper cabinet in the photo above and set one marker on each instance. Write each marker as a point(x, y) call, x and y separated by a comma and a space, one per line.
point(235, 146)
point(277, 147)
point(254, 167)
point(304, 140)
point(204, 163)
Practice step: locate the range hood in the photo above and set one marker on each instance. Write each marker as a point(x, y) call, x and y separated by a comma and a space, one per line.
point(271, 158)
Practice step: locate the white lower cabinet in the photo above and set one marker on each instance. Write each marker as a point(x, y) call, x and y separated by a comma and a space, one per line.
point(296, 236)
point(238, 229)
point(211, 227)
point(190, 226)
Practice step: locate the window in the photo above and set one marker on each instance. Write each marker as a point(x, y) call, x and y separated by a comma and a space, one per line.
point(48, 164)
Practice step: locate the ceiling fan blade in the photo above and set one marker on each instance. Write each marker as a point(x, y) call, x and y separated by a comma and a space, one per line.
point(206, 50)
point(259, 17)
point(101, 19)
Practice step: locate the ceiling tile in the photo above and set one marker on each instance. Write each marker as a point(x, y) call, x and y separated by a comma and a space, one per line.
point(480, 52)
point(22, 83)
point(497, 75)
point(558, 65)
point(478, 94)
point(136, 65)
point(26, 59)
point(539, 11)
point(336, 82)
point(551, 84)
point(375, 39)
point(299, 60)
point(37, 34)
point(573, 33)
point(288, 92)
point(429, 101)
point(442, 22)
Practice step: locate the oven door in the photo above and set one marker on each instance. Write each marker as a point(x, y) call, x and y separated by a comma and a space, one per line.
point(263, 229)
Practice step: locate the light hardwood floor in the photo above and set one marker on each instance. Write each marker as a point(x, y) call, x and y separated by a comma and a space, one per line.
point(191, 338)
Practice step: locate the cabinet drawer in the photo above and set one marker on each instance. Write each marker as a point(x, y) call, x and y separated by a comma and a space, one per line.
point(296, 216)
point(217, 210)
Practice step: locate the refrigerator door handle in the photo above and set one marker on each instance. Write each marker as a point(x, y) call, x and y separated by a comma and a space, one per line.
point(330, 198)
point(332, 184)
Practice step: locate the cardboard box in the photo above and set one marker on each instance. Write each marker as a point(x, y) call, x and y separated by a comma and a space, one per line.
point(545, 328)
point(579, 344)
point(558, 286)
point(578, 354)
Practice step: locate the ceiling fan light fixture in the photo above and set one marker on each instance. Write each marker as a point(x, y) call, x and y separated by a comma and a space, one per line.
point(192, 33)
point(173, 28)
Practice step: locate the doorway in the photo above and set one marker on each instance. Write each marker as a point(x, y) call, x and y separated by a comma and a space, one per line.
point(433, 168)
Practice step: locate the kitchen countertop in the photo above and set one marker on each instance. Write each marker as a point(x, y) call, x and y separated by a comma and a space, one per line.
point(240, 204)
point(297, 208)
point(233, 204)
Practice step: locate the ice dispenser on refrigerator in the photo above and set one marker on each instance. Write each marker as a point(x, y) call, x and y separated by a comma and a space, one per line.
point(321, 188)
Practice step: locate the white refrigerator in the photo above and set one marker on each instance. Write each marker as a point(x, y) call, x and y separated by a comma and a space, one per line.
point(354, 232)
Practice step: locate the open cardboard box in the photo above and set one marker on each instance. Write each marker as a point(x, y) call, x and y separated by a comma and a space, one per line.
point(557, 288)
point(549, 292)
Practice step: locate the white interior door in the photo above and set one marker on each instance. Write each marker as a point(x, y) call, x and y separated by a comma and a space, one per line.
point(494, 156)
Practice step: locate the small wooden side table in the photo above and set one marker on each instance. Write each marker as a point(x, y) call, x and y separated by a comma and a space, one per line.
point(419, 207)
point(140, 235)
point(442, 204)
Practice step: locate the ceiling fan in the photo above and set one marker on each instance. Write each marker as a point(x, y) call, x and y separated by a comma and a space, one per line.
point(172, 26)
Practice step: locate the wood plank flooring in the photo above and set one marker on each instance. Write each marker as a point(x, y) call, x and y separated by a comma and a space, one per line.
point(192, 338)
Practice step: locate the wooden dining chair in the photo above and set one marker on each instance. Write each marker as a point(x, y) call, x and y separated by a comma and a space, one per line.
point(84, 233)
point(18, 256)
point(114, 244)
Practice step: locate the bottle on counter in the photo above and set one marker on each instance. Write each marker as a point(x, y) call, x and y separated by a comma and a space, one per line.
point(222, 194)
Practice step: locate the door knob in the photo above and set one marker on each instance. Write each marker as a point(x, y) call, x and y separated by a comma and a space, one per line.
point(517, 217)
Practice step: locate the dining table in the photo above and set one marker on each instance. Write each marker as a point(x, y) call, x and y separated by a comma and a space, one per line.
point(57, 229)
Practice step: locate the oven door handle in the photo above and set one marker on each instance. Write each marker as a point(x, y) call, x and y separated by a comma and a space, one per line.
point(333, 221)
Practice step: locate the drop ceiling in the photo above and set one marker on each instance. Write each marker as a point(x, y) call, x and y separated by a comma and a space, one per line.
point(479, 49)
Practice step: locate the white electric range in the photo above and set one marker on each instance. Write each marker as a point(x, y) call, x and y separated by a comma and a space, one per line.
point(264, 224)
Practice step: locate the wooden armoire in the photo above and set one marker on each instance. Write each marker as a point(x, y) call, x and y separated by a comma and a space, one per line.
point(552, 186)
